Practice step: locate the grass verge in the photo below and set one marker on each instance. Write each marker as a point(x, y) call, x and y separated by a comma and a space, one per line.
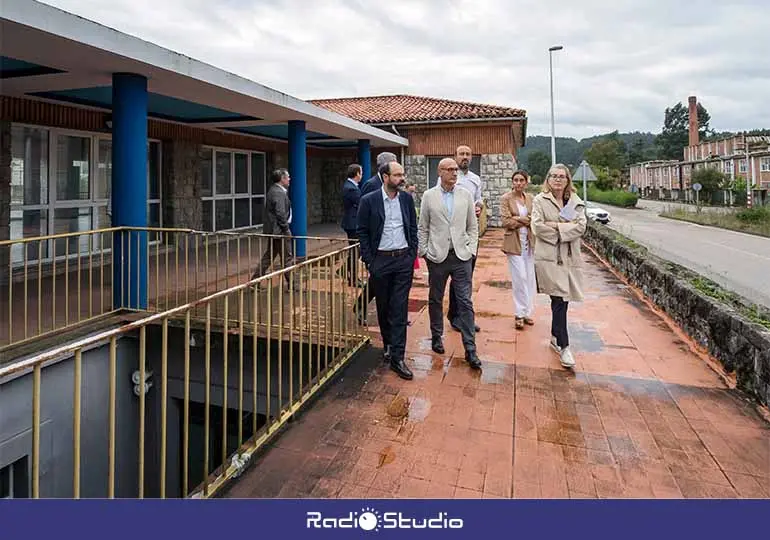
point(753, 221)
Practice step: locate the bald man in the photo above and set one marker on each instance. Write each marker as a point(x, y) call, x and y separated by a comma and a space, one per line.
point(448, 237)
point(469, 181)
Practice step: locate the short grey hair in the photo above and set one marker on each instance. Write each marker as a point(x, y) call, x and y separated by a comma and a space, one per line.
point(384, 158)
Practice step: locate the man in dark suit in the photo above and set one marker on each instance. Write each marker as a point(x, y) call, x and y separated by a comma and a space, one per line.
point(375, 182)
point(369, 186)
point(351, 194)
point(276, 222)
point(387, 230)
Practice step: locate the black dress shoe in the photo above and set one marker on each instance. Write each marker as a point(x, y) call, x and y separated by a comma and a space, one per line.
point(473, 360)
point(400, 367)
point(478, 328)
point(437, 345)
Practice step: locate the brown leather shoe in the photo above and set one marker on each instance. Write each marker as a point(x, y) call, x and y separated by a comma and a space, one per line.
point(530, 321)
point(519, 323)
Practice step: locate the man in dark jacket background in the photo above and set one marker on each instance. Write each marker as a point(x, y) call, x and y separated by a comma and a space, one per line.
point(351, 194)
point(276, 222)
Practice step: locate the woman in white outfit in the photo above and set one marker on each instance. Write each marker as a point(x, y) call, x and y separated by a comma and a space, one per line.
point(516, 212)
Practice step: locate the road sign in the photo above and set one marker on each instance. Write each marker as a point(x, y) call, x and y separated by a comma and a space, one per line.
point(697, 187)
point(585, 174)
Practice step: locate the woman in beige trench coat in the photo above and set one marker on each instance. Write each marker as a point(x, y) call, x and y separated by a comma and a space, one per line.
point(559, 222)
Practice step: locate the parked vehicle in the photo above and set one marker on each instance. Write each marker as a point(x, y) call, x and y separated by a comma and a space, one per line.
point(597, 213)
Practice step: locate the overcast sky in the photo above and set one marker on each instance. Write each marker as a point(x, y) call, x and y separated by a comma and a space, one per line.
point(623, 63)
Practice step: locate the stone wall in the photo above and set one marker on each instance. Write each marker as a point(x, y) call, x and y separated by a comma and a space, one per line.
point(181, 180)
point(5, 196)
point(740, 345)
point(496, 172)
point(416, 170)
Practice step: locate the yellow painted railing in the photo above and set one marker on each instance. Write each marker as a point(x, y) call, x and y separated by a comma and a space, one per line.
point(286, 340)
point(52, 283)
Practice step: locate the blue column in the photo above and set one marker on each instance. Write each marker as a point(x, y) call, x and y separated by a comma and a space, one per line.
point(129, 190)
point(298, 186)
point(365, 158)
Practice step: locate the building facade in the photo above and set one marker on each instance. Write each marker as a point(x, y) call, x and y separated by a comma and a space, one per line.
point(436, 127)
point(740, 156)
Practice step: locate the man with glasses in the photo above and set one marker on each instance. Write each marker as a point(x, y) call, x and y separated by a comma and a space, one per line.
point(469, 181)
point(387, 230)
point(448, 239)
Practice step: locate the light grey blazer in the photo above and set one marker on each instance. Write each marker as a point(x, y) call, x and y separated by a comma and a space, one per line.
point(435, 228)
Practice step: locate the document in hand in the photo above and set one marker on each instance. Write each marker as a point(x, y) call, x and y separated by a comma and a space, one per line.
point(568, 213)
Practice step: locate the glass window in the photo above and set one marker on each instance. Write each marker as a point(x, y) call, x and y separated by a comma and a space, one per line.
point(207, 216)
point(29, 165)
point(72, 220)
point(28, 224)
point(257, 174)
point(207, 172)
point(257, 207)
point(153, 170)
point(224, 219)
point(73, 155)
point(241, 173)
point(224, 179)
point(242, 212)
point(103, 184)
point(153, 215)
point(764, 164)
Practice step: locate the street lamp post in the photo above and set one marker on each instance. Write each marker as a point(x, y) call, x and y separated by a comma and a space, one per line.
point(553, 133)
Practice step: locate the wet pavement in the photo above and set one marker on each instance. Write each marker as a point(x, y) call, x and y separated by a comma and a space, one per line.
point(641, 415)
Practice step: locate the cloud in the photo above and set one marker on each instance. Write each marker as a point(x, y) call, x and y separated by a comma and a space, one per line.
point(623, 62)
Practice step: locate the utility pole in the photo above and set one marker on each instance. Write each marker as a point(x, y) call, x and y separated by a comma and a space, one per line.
point(553, 131)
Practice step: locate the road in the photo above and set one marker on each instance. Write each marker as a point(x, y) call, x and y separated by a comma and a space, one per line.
point(737, 261)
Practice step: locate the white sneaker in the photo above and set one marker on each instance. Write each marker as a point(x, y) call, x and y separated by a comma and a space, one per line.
point(554, 345)
point(567, 360)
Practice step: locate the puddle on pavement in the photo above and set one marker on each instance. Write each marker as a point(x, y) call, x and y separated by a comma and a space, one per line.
point(423, 365)
point(585, 338)
point(495, 373)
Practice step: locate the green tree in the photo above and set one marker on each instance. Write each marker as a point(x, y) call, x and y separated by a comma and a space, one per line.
point(609, 152)
point(638, 151)
point(676, 130)
point(711, 181)
point(538, 163)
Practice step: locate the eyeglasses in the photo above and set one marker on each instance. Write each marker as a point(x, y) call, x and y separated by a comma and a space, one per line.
point(558, 177)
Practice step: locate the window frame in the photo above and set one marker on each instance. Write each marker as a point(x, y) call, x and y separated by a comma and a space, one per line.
point(233, 196)
point(92, 203)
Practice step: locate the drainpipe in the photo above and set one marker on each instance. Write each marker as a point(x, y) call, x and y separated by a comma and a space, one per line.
point(393, 127)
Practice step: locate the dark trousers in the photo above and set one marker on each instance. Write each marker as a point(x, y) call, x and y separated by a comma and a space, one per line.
point(559, 321)
point(352, 258)
point(392, 279)
point(276, 247)
point(452, 312)
point(461, 273)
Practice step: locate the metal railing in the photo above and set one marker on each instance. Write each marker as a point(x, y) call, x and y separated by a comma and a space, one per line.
point(53, 283)
point(312, 324)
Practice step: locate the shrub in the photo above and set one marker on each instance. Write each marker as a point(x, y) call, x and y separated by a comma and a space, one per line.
point(754, 215)
point(615, 197)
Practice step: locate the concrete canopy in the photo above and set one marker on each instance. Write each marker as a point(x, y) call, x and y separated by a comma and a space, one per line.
point(49, 54)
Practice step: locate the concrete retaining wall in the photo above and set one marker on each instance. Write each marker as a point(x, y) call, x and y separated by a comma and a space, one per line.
point(740, 345)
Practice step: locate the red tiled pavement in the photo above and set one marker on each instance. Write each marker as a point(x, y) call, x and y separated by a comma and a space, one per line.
point(641, 415)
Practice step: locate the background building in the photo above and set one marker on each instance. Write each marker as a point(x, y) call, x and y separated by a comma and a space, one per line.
point(436, 127)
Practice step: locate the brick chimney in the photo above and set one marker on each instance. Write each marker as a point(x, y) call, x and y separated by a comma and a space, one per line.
point(693, 120)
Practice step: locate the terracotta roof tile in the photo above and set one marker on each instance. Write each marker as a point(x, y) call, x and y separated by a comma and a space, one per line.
point(404, 109)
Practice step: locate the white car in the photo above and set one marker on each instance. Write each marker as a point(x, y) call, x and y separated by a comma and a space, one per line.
point(597, 213)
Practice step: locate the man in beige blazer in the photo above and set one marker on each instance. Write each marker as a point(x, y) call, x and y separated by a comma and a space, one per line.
point(448, 237)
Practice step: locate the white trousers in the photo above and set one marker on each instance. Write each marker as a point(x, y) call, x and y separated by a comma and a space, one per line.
point(522, 269)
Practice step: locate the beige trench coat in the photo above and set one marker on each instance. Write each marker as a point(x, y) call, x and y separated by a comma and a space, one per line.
point(558, 261)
